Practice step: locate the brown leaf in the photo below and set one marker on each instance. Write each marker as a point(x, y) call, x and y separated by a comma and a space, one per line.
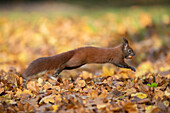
point(155, 110)
point(1, 90)
point(141, 101)
point(10, 110)
point(160, 107)
point(130, 91)
point(20, 106)
point(130, 107)
point(141, 87)
point(51, 99)
point(1, 107)
point(116, 109)
point(32, 86)
point(26, 106)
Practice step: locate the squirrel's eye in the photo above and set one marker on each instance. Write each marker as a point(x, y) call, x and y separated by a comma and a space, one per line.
point(129, 50)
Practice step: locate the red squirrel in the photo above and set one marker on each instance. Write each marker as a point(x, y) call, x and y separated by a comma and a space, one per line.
point(81, 56)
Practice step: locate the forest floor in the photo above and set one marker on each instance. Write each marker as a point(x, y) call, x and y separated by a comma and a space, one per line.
point(30, 31)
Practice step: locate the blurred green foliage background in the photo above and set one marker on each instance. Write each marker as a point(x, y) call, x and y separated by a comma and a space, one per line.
point(32, 29)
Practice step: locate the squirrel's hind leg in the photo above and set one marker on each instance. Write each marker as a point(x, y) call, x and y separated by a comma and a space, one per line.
point(59, 70)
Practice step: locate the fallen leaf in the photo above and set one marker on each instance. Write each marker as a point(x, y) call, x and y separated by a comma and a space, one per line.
point(40, 81)
point(166, 103)
point(24, 93)
point(55, 107)
point(47, 99)
point(86, 75)
point(51, 99)
point(47, 86)
point(1, 90)
point(130, 108)
point(81, 83)
point(32, 86)
point(148, 109)
point(130, 91)
point(140, 101)
point(101, 106)
point(139, 95)
point(167, 94)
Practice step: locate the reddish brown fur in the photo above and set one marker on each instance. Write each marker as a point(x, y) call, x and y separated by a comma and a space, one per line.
point(78, 57)
point(47, 63)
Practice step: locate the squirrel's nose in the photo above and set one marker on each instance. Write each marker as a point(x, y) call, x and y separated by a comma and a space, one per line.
point(133, 54)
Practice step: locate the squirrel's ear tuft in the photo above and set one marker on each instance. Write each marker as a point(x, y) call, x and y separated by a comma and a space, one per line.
point(125, 41)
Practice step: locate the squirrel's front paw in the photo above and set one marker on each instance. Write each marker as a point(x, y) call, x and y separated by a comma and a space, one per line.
point(133, 69)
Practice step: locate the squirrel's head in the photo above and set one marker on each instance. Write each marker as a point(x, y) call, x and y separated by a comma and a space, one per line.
point(127, 50)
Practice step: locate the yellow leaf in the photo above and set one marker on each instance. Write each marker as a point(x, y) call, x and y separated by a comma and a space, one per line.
point(107, 72)
point(150, 108)
point(55, 107)
point(139, 95)
point(27, 92)
point(81, 83)
point(85, 90)
point(19, 92)
point(86, 75)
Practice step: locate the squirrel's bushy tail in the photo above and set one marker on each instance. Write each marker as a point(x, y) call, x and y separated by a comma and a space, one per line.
point(47, 63)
